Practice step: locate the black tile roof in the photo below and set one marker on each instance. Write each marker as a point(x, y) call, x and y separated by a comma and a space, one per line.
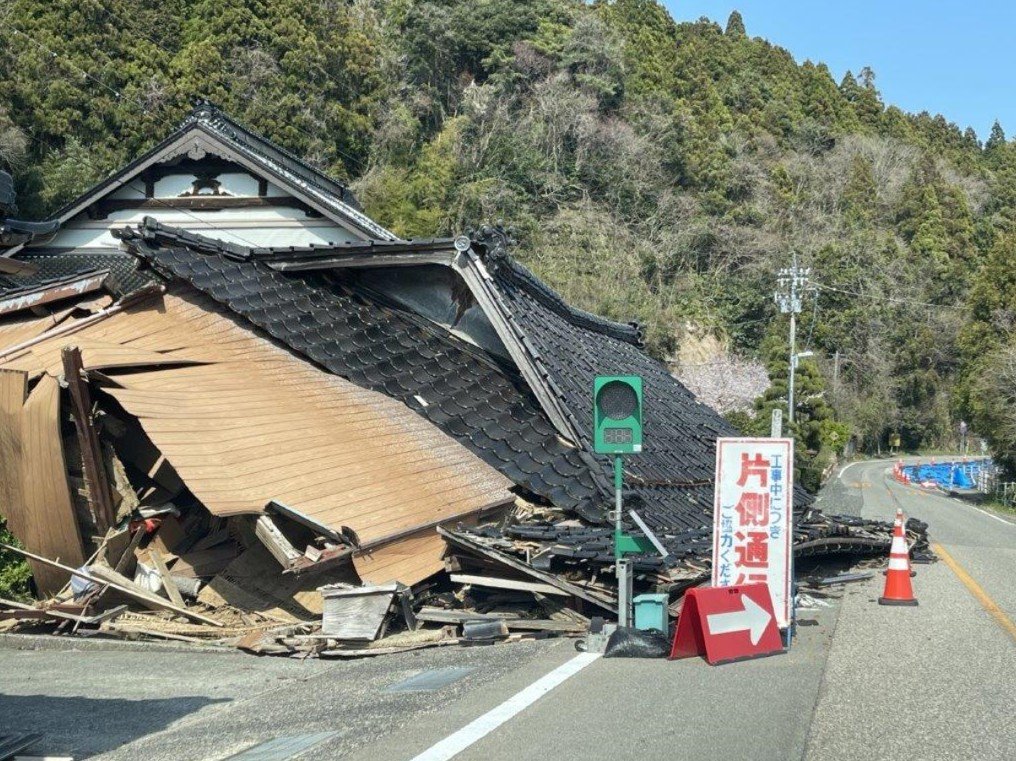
point(55, 267)
point(671, 482)
point(673, 477)
point(274, 160)
point(468, 394)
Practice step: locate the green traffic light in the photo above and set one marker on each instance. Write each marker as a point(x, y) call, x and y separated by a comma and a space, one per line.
point(617, 414)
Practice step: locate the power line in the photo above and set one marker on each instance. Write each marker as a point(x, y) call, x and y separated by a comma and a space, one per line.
point(890, 299)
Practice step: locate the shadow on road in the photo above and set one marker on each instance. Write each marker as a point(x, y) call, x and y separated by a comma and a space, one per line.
point(82, 727)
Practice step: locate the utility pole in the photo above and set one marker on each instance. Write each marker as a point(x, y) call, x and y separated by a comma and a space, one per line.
point(790, 285)
point(836, 373)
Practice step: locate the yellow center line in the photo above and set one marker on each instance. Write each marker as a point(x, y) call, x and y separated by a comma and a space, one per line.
point(975, 589)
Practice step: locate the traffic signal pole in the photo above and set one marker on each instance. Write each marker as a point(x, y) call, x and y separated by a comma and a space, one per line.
point(623, 567)
point(617, 430)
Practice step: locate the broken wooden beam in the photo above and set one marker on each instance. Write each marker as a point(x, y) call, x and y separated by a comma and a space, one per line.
point(513, 584)
point(446, 616)
point(470, 544)
point(100, 498)
point(167, 581)
point(113, 580)
point(124, 560)
point(43, 613)
point(276, 542)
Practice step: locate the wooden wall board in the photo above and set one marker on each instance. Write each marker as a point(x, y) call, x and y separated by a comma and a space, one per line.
point(33, 478)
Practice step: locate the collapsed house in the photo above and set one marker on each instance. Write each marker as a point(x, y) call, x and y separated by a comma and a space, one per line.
point(228, 395)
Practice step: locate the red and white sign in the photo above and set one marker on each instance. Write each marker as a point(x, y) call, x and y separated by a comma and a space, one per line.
point(753, 517)
point(726, 624)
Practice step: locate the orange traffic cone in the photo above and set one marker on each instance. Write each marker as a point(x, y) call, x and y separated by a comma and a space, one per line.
point(898, 590)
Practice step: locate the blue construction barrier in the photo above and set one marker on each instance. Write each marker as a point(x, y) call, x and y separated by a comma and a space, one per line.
point(947, 475)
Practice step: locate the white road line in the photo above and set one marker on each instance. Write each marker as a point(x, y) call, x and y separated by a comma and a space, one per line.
point(455, 743)
point(848, 465)
point(998, 518)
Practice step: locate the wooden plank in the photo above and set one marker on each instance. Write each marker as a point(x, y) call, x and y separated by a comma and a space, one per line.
point(545, 625)
point(13, 392)
point(275, 541)
point(469, 544)
point(518, 586)
point(100, 498)
point(444, 616)
point(43, 613)
point(123, 562)
point(167, 581)
point(108, 577)
point(113, 546)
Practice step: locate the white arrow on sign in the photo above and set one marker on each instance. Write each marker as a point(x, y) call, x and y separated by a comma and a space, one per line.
point(754, 619)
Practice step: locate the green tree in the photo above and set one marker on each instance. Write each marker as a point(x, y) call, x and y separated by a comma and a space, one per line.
point(735, 25)
point(997, 137)
point(860, 195)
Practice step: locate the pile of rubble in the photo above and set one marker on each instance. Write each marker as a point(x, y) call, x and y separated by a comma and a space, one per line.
point(183, 575)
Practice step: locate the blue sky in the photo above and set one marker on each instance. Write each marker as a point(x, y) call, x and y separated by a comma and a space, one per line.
point(956, 59)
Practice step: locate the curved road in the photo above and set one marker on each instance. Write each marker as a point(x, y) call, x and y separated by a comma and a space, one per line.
point(982, 542)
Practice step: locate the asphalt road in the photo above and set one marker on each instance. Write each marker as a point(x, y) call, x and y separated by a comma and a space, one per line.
point(933, 682)
point(861, 681)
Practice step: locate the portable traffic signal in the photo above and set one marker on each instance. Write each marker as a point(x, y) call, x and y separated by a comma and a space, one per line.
point(617, 414)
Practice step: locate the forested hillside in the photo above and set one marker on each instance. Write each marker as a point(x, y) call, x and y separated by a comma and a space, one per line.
point(654, 171)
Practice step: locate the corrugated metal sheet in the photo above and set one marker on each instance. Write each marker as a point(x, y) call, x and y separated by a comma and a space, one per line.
point(36, 498)
point(254, 423)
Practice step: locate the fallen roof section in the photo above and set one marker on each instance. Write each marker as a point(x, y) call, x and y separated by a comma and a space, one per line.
point(244, 422)
point(557, 351)
point(473, 397)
